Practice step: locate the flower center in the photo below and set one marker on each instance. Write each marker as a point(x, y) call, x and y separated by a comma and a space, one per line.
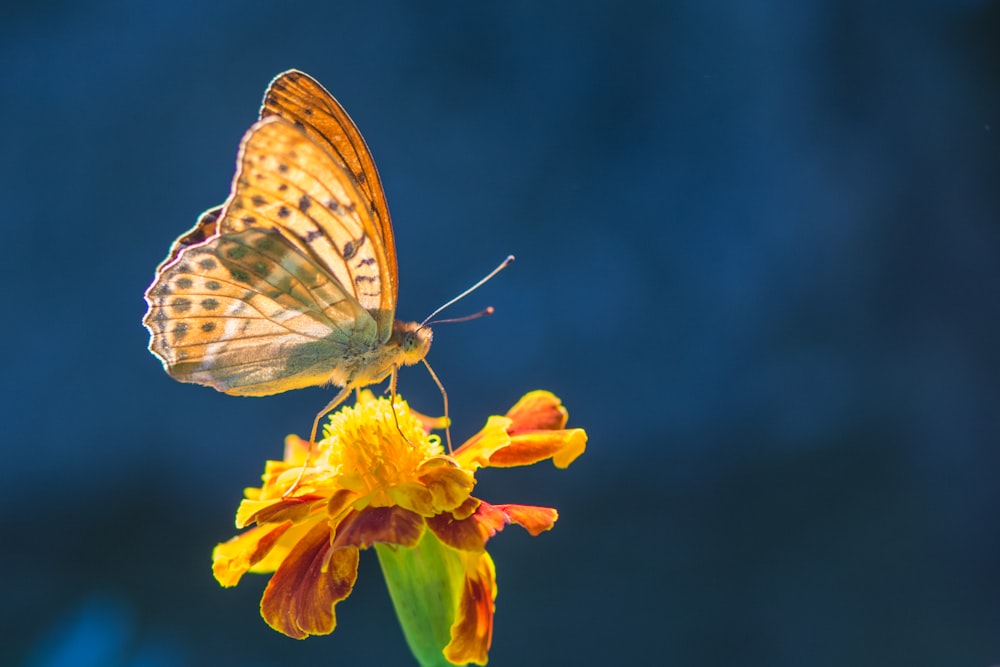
point(375, 445)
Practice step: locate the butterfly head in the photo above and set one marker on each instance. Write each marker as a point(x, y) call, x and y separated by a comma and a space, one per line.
point(413, 339)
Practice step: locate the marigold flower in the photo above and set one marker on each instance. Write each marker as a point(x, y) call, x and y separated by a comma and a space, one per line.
point(380, 478)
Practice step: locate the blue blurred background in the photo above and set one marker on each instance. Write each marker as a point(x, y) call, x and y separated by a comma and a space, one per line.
point(757, 250)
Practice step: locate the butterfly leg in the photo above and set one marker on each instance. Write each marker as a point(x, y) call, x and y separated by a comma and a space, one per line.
point(337, 400)
point(392, 401)
point(444, 397)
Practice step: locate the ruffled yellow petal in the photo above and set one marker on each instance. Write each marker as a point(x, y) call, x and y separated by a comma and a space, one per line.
point(448, 484)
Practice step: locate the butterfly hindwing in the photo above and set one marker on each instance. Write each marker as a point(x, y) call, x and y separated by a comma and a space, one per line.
point(247, 313)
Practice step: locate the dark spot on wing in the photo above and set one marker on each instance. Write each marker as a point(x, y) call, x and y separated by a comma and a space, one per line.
point(208, 264)
point(209, 303)
point(363, 279)
point(236, 252)
point(304, 203)
point(183, 283)
point(313, 235)
point(258, 200)
point(333, 205)
point(282, 187)
point(283, 212)
point(240, 275)
point(367, 261)
point(213, 285)
point(208, 327)
point(181, 305)
point(180, 331)
point(261, 269)
point(308, 111)
point(361, 177)
point(283, 168)
point(248, 220)
point(351, 248)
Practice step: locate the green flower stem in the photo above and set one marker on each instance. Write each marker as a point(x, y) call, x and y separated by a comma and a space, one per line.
point(424, 583)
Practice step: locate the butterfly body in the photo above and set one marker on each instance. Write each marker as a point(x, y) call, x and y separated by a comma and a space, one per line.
point(292, 282)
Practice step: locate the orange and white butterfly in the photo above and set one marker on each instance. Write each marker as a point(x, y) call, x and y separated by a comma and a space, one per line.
point(292, 282)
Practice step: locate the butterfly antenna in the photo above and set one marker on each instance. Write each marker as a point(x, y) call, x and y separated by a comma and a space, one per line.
point(489, 310)
point(503, 265)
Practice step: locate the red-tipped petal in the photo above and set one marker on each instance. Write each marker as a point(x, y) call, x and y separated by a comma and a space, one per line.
point(232, 559)
point(313, 578)
point(472, 631)
point(389, 525)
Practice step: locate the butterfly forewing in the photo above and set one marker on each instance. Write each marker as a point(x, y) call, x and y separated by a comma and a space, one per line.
point(286, 182)
point(299, 98)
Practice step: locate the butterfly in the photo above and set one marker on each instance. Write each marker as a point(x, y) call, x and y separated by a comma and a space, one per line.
point(292, 282)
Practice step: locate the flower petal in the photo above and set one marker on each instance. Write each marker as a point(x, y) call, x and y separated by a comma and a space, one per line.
point(469, 534)
point(389, 525)
point(537, 410)
point(449, 485)
point(530, 447)
point(472, 631)
point(477, 450)
point(295, 509)
point(233, 558)
point(533, 519)
point(313, 578)
point(472, 533)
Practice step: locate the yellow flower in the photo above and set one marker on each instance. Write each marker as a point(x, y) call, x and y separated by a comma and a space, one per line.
point(379, 477)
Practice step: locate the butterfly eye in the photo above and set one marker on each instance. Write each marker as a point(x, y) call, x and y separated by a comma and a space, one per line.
point(410, 343)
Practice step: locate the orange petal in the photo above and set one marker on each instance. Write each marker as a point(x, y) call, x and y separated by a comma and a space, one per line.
point(472, 631)
point(527, 447)
point(477, 450)
point(232, 559)
point(390, 525)
point(537, 411)
point(313, 578)
point(533, 519)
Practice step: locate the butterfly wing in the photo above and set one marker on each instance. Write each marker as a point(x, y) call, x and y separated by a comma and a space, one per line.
point(278, 289)
point(288, 182)
point(204, 228)
point(300, 99)
point(249, 314)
